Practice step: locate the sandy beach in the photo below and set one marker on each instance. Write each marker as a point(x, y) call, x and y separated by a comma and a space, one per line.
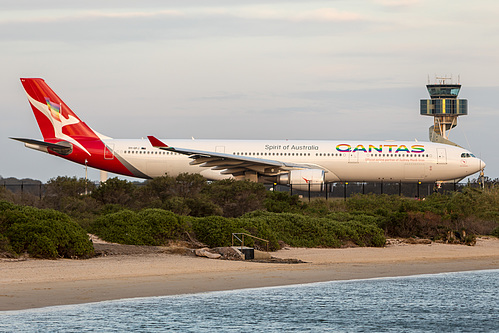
point(35, 283)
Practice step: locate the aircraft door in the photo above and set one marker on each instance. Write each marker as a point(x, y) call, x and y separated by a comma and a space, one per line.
point(441, 156)
point(353, 157)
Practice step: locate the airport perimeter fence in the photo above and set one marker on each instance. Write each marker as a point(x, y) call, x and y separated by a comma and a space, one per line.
point(347, 189)
point(32, 187)
point(329, 191)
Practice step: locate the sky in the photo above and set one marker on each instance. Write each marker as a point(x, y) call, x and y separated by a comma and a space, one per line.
point(224, 69)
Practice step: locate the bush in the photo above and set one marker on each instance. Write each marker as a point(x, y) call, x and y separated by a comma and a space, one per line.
point(124, 227)
point(148, 227)
point(164, 225)
point(201, 206)
point(215, 231)
point(42, 233)
point(178, 205)
point(279, 202)
point(5, 247)
point(335, 230)
point(258, 227)
point(236, 197)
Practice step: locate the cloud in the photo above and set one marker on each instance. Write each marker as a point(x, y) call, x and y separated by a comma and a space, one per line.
point(65, 16)
point(328, 15)
point(112, 26)
point(252, 13)
point(398, 3)
point(314, 15)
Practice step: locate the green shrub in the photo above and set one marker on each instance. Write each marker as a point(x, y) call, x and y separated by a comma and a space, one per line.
point(335, 230)
point(372, 202)
point(215, 231)
point(148, 227)
point(110, 208)
point(124, 227)
point(5, 245)
point(258, 227)
point(42, 233)
point(164, 225)
point(279, 202)
point(236, 197)
point(4, 205)
point(320, 207)
point(201, 206)
point(178, 205)
point(495, 232)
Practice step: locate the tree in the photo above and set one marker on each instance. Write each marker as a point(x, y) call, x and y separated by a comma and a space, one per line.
point(115, 191)
point(62, 190)
point(237, 197)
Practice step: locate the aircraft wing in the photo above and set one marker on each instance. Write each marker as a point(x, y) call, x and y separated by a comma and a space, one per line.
point(232, 164)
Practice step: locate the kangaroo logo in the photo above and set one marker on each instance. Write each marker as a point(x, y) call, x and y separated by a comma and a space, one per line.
point(54, 108)
point(53, 112)
point(57, 119)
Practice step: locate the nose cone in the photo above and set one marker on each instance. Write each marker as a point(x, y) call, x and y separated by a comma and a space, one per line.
point(480, 165)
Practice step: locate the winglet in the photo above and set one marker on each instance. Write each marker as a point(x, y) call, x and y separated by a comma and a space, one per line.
point(156, 143)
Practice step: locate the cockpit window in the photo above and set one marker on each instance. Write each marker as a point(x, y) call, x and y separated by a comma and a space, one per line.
point(467, 155)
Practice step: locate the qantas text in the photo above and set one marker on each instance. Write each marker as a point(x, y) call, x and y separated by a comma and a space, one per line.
point(346, 148)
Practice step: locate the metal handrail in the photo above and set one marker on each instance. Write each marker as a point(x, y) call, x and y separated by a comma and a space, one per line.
point(234, 235)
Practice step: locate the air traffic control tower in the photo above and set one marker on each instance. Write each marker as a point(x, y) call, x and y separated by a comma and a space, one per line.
point(444, 107)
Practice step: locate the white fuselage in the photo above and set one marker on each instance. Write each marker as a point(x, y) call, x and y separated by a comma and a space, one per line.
point(387, 161)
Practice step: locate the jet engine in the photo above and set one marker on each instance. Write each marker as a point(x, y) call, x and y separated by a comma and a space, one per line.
point(303, 179)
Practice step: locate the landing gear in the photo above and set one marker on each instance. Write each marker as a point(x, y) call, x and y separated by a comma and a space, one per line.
point(437, 187)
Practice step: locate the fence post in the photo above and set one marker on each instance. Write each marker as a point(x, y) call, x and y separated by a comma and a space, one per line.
point(309, 191)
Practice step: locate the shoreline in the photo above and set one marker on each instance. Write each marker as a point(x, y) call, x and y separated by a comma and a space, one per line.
point(36, 283)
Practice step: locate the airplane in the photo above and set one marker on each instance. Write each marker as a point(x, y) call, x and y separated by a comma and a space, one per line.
point(304, 164)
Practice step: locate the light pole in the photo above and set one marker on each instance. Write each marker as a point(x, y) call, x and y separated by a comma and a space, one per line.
point(86, 176)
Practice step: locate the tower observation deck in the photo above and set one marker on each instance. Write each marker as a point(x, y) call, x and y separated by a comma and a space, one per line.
point(444, 107)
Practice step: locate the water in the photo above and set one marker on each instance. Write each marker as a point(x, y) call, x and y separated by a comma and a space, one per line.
point(450, 302)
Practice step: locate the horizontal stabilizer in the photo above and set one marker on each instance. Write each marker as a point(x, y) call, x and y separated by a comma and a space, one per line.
point(63, 147)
